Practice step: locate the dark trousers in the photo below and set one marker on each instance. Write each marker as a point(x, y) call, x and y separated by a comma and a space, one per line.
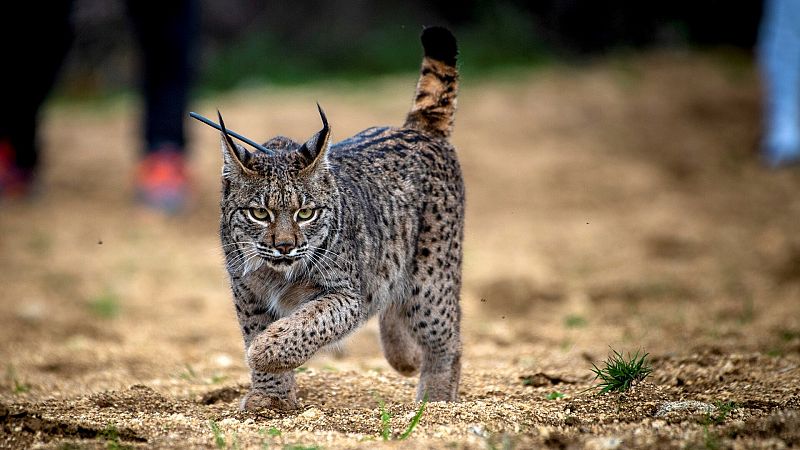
point(35, 40)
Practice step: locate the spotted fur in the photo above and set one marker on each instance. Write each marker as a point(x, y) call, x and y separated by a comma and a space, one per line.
point(385, 238)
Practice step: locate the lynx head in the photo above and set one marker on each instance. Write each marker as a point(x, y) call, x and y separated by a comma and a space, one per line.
point(277, 207)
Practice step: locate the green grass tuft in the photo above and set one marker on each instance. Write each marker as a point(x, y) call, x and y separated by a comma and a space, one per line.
point(723, 409)
point(111, 436)
point(189, 373)
point(218, 378)
point(386, 425)
point(105, 306)
point(219, 439)
point(17, 386)
point(272, 433)
point(619, 373)
point(415, 419)
point(574, 321)
point(554, 395)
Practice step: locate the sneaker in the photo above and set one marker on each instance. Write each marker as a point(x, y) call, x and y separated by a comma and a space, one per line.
point(161, 181)
point(15, 182)
point(775, 158)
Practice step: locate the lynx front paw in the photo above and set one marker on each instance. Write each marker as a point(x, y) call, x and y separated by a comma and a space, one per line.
point(270, 353)
point(256, 400)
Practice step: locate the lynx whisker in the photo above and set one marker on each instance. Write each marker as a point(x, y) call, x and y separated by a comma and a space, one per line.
point(240, 266)
point(238, 262)
point(327, 267)
point(329, 262)
point(234, 262)
point(236, 243)
point(321, 252)
point(252, 264)
point(319, 269)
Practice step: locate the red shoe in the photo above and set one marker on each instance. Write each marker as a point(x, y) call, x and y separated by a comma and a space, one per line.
point(15, 182)
point(161, 181)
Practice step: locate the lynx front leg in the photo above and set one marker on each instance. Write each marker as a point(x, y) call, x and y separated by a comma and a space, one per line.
point(270, 391)
point(267, 390)
point(289, 342)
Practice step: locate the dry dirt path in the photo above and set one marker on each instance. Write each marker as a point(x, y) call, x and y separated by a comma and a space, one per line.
point(616, 205)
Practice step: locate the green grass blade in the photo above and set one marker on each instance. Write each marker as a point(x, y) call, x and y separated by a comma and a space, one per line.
point(219, 439)
point(386, 426)
point(416, 418)
point(619, 374)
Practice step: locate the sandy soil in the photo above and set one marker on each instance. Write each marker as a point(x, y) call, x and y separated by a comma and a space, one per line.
point(614, 205)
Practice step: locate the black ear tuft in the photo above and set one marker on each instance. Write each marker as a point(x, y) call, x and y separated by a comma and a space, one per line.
point(440, 44)
point(224, 131)
point(324, 118)
point(234, 155)
point(314, 151)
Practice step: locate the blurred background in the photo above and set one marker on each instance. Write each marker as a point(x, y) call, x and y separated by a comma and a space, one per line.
point(616, 197)
point(244, 42)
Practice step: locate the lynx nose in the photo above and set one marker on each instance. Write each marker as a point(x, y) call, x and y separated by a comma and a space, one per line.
point(284, 247)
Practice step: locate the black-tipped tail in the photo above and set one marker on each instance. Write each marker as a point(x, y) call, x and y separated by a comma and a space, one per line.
point(435, 99)
point(440, 44)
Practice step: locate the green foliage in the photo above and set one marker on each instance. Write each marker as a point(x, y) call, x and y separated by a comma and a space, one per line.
point(502, 37)
point(554, 395)
point(415, 419)
point(189, 373)
point(386, 426)
point(787, 335)
point(219, 438)
point(272, 433)
point(711, 440)
point(619, 373)
point(574, 321)
point(218, 378)
point(17, 386)
point(111, 436)
point(105, 306)
point(723, 409)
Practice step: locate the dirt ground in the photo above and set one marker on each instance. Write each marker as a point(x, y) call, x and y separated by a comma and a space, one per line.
point(618, 204)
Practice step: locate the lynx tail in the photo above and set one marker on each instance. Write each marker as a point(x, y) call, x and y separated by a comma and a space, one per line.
point(435, 99)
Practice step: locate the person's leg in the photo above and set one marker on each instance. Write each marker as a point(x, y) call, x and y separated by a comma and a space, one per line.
point(166, 32)
point(26, 81)
point(779, 58)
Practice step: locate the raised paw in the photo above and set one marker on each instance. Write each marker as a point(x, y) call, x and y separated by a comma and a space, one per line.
point(277, 349)
point(256, 400)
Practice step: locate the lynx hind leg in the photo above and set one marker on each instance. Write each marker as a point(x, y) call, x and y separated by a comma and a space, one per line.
point(275, 391)
point(433, 312)
point(399, 346)
point(435, 325)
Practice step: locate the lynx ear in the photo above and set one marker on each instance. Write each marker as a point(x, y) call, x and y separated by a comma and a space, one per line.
point(315, 150)
point(236, 159)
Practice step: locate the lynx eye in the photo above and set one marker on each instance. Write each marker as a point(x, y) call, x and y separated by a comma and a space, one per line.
point(259, 213)
point(305, 213)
